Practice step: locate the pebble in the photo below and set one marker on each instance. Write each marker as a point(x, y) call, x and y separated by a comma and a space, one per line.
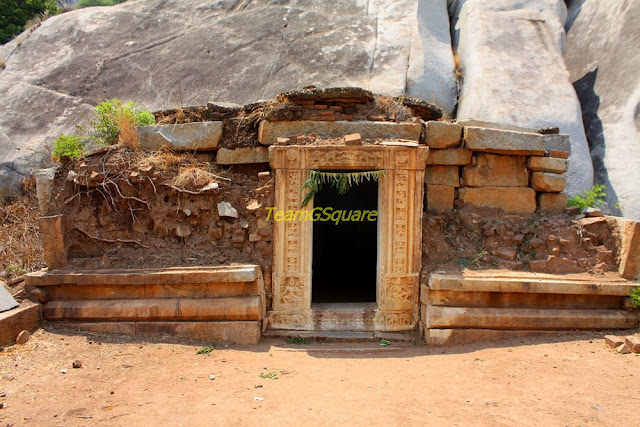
point(23, 337)
point(76, 364)
point(212, 377)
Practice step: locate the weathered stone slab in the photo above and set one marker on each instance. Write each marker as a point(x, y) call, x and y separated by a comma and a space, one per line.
point(200, 136)
point(528, 283)
point(633, 343)
point(269, 131)
point(447, 337)
point(552, 202)
point(512, 142)
point(526, 318)
point(548, 182)
point(26, 317)
point(451, 156)
point(440, 198)
point(242, 332)
point(244, 155)
point(547, 164)
point(44, 187)
point(166, 276)
point(233, 308)
point(613, 341)
point(442, 175)
point(7, 302)
point(630, 249)
point(495, 170)
point(443, 135)
point(509, 199)
point(52, 230)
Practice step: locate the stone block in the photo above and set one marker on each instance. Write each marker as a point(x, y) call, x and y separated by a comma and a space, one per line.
point(443, 134)
point(27, 316)
point(512, 142)
point(509, 199)
point(52, 230)
point(559, 154)
point(440, 198)
point(552, 202)
point(242, 156)
point(269, 131)
point(548, 164)
point(442, 175)
point(613, 341)
point(44, 187)
point(495, 170)
point(630, 249)
point(633, 343)
point(201, 136)
point(449, 157)
point(548, 182)
point(354, 139)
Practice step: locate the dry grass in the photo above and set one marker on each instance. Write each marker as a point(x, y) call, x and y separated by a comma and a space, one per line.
point(164, 159)
point(128, 136)
point(20, 243)
point(392, 108)
point(458, 65)
point(193, 177)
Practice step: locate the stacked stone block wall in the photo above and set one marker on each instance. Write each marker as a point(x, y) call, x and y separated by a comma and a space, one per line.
point(494, 168)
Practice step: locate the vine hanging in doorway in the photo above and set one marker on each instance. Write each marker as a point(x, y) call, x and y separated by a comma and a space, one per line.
point(341, 181)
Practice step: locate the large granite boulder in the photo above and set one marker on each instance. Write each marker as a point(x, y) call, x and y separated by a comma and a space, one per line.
point(513, 72)
point(169, 53)
point(604, 65)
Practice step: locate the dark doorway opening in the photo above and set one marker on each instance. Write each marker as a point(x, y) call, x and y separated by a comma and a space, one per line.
point(344, 254)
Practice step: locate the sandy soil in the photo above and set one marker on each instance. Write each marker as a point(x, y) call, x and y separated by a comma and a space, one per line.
point(571, 380)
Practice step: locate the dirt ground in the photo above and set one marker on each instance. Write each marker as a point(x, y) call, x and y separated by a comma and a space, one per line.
point(569, 380)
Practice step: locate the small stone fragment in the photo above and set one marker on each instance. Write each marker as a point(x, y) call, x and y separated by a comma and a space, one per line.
point(212, 377)
point(23, 337)
point(633, 343)
point(353, 139)
point(244, 224)
point(226, 210)
point(264, 176)
point(506, 253)
point(183, 230)
point(216, 233)
point(623, 349)
point(284, 141)
point(592, 213)
point(613, 341)
point(76, 364)
point(253, 206)
point(42, 294)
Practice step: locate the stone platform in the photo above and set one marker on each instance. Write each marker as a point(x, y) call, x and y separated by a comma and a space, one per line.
point(211, 303)
point(457, 309)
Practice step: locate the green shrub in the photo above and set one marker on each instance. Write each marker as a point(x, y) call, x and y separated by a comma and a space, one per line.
point(14, 15)
point(68, 147)
point(635, 297)
point(594, 198)
point(110, 116)
point(90, 3)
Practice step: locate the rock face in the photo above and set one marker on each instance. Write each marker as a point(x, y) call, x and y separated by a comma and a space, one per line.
point(513, 72)
point(604, 65)
point(165, 54)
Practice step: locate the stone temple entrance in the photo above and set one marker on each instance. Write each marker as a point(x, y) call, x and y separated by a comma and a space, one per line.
point(345, 251)
point(398, 235)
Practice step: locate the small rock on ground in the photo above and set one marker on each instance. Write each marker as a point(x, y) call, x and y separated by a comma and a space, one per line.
point(23, 337)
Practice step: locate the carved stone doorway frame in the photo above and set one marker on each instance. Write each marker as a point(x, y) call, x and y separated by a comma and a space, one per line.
point(399, 259)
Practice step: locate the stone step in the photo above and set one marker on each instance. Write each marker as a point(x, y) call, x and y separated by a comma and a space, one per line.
point(234, 308)
point(242, 332)
point(339, 336)
point(446, 337)
point(520, 300)
point(164, 276)
point(529, 283)
point(343, 316)
point(528, 318)
point(185, 290)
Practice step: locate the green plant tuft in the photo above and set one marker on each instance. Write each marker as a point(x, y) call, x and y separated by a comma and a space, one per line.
point(635, 297)
point(111, 114)
point(207, 349)
point(298, 341)
point(341, 181)
point(385, 343)
point(68, 147)
point(90, 3)
point(270, 375)
point(15, 15)
point(594, 198)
